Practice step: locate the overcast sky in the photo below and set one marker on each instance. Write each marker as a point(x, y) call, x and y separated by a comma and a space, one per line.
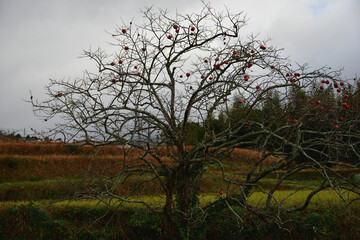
point(40, 40)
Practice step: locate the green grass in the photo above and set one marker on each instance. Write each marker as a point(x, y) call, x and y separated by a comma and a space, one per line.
point(34, 183)
point(211, 183)
point(287, 198)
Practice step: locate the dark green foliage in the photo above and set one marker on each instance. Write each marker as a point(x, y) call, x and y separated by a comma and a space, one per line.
point(145, 224)
point(194, 133)
point(35, 190)
point(30, 222)
point(315, 111)
point(10, 162)
point(74, 150)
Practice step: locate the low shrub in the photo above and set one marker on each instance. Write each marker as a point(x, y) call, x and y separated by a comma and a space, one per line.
point(31, 222)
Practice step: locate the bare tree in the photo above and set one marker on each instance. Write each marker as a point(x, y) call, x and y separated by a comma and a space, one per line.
point(170, 71)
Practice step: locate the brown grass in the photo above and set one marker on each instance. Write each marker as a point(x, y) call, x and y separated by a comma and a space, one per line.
point(45, 160)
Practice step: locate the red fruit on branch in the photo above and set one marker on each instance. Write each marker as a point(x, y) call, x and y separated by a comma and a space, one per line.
point(321, 108)
point(346, 96)
point(321, 88)
point(206, 61)
point(221, 192)
point(139, 73)
point(335, 127)
point(287, 74)
point(246, 77)
point(342, 83)
point(262, 47)
point(249, 65)
point(327, 82)
point(113, 80)
point(252, 51)
point(297, 74)
point(312, 101)
point(123, 30)
point(295, 121)
point(169, 37)
point(217, 66)
point(202, 76)
point(126, 48)
point(59, 95)
point(331, 110)
point(143, 49)
point(240, 101)
point(234, 52)
point(136, 67)
point(272, 66)
point(210, 78)
point(338, 90)
point(112, 64)
point(188, 74)
point(175, 26)
point(120, 61)
point(192, 28)
point(170, 84)
point(257, 87)
point(336, 85)
point(161, 134)
point(258, 157)
point(318, 102)
point(216, 59)
point(341, 119)
point(323, 81)
point(292, 80)
point(226, 62)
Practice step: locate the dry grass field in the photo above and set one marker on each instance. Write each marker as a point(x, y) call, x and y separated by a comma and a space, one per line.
point(43, 175)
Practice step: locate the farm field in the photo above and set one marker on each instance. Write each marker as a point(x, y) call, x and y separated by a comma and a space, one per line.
point(37, 182)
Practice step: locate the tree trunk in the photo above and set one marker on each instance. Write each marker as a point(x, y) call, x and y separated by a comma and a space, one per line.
point(184, 197)
point(170, 230)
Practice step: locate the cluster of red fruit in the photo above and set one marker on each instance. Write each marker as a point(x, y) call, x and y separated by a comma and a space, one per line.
point(236, 56)
point(345, 105)
point(177, 30)
point(292, 79)
point(113, 63)
point(120, 62)
point(335, 85)
point(176, 27)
